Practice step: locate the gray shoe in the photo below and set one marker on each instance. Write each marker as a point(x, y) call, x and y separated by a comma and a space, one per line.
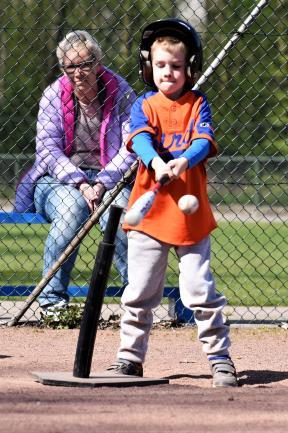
point(224, 373)
point(125, 367)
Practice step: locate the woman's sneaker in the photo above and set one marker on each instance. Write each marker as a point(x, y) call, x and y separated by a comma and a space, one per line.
point(53, 311)
point(125, 367)
point(223, 372)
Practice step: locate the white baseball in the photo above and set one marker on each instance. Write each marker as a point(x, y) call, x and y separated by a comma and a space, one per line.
point(188, 204)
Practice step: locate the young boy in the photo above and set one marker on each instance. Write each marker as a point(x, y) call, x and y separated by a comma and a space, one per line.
point(171, 132)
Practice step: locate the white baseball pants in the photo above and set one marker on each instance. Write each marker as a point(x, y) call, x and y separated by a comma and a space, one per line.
point(147, 263)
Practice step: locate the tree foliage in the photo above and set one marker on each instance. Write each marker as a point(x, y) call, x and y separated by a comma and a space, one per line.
point(249, 90)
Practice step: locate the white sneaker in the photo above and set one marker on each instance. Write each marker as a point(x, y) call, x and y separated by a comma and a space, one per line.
point(54, 311)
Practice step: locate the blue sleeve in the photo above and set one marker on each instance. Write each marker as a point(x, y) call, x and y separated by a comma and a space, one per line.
point(142, 145)
point(198, 151)
point(138, 118)
point(203, 123)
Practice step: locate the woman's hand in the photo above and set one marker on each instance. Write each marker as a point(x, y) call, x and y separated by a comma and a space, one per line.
point(99, 191)
point(92, 194)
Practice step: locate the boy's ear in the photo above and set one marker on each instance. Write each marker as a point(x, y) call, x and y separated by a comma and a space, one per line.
point(146, 71)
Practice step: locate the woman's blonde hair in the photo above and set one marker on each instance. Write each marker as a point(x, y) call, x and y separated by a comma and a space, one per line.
point(78, 39)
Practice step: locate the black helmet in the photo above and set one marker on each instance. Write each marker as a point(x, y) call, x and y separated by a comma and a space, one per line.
point(175, 28)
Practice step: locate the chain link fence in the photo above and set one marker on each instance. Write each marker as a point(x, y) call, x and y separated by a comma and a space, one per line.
point(247, 181)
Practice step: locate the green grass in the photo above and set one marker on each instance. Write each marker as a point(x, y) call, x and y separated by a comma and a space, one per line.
point(249, 260)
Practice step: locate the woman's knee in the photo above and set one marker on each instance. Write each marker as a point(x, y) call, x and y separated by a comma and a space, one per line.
point(68, 204)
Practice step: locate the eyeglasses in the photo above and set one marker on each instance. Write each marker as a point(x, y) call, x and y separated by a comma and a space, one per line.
point(83, 66)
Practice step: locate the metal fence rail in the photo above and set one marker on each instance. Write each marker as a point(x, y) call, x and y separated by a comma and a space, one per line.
point(247, 181)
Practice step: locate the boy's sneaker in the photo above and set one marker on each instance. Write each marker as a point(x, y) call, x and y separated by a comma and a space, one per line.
point(53, 311)
point(125, 367)
point(223, 372)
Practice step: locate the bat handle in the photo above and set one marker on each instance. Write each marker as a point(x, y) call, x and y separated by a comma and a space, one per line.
point(164, 179)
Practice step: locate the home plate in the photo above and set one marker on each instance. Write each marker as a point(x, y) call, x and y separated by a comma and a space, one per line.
point(94, 381)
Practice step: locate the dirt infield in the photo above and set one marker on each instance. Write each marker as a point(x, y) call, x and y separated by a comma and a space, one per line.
point(187, 404)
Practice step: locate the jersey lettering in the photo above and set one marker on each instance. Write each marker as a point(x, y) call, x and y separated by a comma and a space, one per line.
point(175, 141)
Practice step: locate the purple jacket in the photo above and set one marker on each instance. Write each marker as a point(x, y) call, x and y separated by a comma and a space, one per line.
point(55, 133)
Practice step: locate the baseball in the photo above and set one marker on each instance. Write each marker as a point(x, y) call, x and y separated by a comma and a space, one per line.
point(188, 204)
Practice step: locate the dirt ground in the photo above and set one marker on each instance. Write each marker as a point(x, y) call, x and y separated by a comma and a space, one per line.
point(186, 404)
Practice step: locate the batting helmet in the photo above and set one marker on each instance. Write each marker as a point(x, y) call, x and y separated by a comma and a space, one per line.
point(175, 28)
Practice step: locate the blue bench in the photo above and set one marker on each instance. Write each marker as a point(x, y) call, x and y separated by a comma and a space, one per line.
point(184, 315)
point(21, 218)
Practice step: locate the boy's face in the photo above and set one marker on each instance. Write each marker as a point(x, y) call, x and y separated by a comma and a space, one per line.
point(169, 72)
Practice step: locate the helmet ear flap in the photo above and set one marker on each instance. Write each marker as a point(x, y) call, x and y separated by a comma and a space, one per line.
point(191, 66)
point(146, 71)
point(195, 63)
point(194, 66)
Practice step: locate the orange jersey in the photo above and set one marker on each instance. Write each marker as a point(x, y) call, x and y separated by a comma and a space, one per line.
point(173, 125)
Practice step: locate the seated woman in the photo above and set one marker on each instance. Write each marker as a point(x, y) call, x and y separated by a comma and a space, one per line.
point(80, 154)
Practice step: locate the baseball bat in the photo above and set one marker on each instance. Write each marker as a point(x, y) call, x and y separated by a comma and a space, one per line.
point(144, 203)
point(231, 43)
point(100, 210)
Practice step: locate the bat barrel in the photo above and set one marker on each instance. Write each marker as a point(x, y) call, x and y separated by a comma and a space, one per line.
point(95, 296)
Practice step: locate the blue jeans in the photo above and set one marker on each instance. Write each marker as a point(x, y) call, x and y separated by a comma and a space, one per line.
point(65, 207)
